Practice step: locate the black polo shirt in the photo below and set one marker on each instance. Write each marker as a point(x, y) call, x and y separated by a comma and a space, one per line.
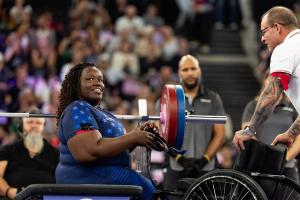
point(278, 122)
point(22, 170)
point(197, 136)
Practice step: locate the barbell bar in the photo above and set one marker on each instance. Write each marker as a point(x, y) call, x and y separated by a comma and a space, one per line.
point(207, 119)
point(172, 116)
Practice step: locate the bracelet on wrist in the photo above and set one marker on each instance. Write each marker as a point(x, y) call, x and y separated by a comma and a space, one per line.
point(248, 131)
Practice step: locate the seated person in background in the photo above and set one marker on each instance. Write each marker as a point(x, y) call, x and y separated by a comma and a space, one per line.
point(94, 146)
point(280, 120)
point(30, 160)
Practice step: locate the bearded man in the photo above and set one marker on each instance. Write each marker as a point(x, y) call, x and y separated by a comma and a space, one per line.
point(30, 160)
point(201, 141)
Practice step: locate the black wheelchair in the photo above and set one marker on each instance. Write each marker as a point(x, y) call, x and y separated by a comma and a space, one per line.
point(257, 175)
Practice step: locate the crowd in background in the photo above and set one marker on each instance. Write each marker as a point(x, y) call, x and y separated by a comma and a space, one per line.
point(136, 44)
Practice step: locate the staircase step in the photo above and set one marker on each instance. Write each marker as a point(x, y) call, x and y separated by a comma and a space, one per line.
point(227, 60)
point(228, 50)
point(226, 70)
point(235, 39)
point(215, 44)
point(236, 85)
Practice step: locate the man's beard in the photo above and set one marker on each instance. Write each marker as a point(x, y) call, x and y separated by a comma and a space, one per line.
point(34, 142)
point(191, 86)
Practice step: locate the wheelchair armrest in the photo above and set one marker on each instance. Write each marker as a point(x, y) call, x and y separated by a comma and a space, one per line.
point(37, 191)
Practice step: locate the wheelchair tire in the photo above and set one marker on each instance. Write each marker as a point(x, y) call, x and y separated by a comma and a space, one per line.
point(225, 185)
point(287, 189)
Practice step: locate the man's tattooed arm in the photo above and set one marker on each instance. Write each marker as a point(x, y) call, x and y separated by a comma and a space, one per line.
point(266, 102)
point(294, 130)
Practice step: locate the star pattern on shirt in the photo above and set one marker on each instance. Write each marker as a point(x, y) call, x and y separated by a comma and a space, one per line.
point(113, 126)
point(80, 114)
point(110, 123)
point(84, 113)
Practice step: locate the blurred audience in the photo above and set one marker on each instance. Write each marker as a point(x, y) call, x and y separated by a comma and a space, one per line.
point(136, 44)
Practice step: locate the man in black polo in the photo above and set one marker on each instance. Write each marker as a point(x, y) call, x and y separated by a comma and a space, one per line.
point(201, 141)
point(31, 160)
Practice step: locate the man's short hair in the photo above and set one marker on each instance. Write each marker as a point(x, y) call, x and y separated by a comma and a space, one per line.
point(281, 15)
point(32, 110)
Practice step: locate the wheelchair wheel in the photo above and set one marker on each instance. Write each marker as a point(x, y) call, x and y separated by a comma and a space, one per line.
point(225, 185)
point(287, 190)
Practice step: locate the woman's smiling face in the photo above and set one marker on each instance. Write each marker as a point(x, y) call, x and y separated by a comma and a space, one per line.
point(91, 85)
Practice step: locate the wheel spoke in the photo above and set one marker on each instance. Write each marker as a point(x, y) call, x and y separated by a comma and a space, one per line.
point(241, 192)
point(224, 190)
point(203, 193)
point(233, 191)
point(212, 182)
point(245, 195)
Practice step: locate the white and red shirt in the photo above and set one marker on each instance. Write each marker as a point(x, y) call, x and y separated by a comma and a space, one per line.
point(285, 64)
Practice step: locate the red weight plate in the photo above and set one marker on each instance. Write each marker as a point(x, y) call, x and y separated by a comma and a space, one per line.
point(168, 114)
